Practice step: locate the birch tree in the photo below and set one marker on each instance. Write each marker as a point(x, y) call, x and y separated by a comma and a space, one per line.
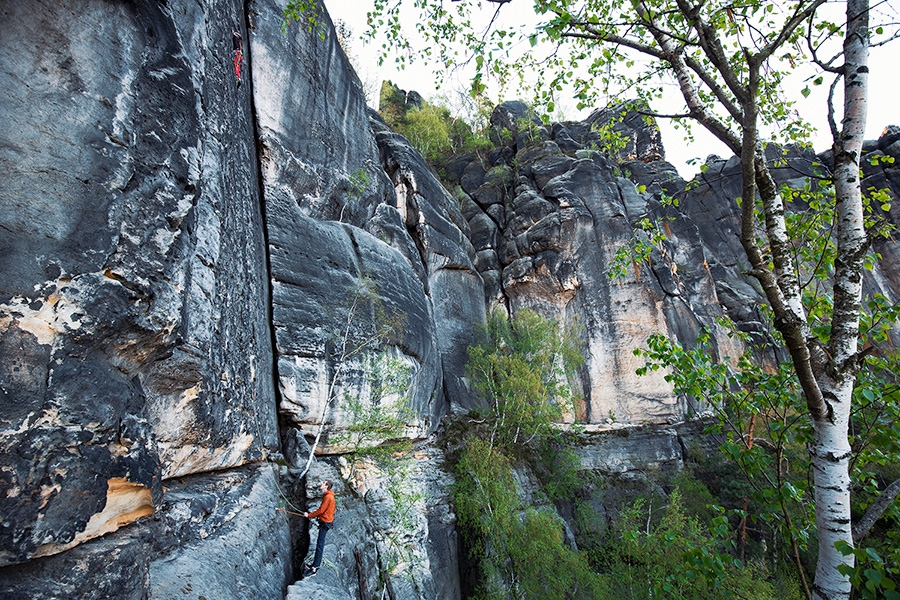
point(364, 327)
point(728, 61)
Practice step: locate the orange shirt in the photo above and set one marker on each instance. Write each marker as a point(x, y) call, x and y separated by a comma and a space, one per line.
point(325, 512)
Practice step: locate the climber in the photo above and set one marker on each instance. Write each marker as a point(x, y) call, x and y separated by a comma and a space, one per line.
point(237, 54)
point(325, 513)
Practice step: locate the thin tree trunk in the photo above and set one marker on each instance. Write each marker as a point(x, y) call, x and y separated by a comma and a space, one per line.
point(831, 448)
point(830, 460)
point(885, 498)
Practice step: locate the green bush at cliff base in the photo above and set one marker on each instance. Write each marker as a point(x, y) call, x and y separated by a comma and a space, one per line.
point(519, 550)
point(670, 549)
point(521, 366)
point(662, 552)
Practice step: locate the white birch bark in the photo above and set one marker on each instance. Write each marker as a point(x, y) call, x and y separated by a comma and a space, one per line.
point(831, 447)
point(830, 455)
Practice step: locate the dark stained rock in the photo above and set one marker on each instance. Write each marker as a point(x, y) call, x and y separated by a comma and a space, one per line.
point(134, 268)
point(642, 137)
point(317, 267)
point(454, 169)
point(216, 535)
point(472, 177)
point(511, 115)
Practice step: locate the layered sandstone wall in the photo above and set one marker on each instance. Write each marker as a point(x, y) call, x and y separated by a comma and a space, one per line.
point(180, 246)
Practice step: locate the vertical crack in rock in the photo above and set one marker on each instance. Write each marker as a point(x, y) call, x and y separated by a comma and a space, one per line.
point(259, 147)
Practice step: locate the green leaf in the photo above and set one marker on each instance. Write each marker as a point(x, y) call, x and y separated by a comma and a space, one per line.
point(874, 576)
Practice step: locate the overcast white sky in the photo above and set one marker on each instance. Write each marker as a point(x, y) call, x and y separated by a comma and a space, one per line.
point(883, 98)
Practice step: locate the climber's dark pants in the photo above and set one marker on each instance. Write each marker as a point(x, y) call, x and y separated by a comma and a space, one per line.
point(324, 528)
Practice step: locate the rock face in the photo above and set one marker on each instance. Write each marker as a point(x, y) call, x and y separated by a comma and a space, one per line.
point(546, 233)
point(185, 252)
point(214, 535)
point(441, 237)
point(135, 344)
point(336, 219)
point(156, 199)
point(548, 214)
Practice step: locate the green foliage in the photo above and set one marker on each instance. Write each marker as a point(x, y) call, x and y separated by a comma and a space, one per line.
point(525, 126)
point(484, 487)
point(391, 103)
point(519, 550)
point(610, 139)
point(428, 129)
point(432, 129)
point(871, 576)
point(521, 365)
point(762, 414)
point(308, 13)
point(650, 238)
point(760, 411)
point(378, 418)
point(675, 556)
point(358, 182)
point(557, 467)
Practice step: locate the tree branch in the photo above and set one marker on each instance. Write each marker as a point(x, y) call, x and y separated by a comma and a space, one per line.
point(656, 115)
point(712, 47)
point(799, 18)
point(865, 524)
point(720, 94)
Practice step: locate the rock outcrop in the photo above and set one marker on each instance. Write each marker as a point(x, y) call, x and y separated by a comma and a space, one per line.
point(549, 211)
point(546, 228)
point(182, 250)
point(136, 347)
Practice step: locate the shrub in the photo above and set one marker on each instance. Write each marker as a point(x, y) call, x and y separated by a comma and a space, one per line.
point(668, 554)
point(520, 365)
point(519, 550)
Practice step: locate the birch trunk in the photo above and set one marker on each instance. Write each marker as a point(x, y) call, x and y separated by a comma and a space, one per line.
point(830, 457)
point(831, 448)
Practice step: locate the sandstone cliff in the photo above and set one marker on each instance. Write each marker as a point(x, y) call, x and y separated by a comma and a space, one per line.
point(177, 246)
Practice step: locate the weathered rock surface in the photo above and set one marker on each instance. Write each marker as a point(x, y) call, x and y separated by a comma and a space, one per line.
point(394, 524)
point(215, 536)
point(547, 233)
point(442, 237)
point(335, 221)
point(134, 340)
point(179, 249)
